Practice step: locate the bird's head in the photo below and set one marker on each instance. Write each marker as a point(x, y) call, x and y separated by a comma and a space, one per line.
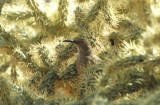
point(81, 44)
point(76, 41)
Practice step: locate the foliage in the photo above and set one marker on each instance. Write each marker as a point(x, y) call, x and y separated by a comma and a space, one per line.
point(37, 68)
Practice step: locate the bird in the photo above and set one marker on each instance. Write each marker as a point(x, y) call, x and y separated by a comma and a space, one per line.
point(85, 56)
point(74, 87)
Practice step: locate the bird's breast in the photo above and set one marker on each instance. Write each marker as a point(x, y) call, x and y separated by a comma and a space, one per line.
point(83, 62)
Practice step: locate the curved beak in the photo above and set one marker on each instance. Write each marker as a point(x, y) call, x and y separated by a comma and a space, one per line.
point(68, 41)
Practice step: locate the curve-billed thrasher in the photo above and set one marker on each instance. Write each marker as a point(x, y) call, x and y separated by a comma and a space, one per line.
point(85, 55)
